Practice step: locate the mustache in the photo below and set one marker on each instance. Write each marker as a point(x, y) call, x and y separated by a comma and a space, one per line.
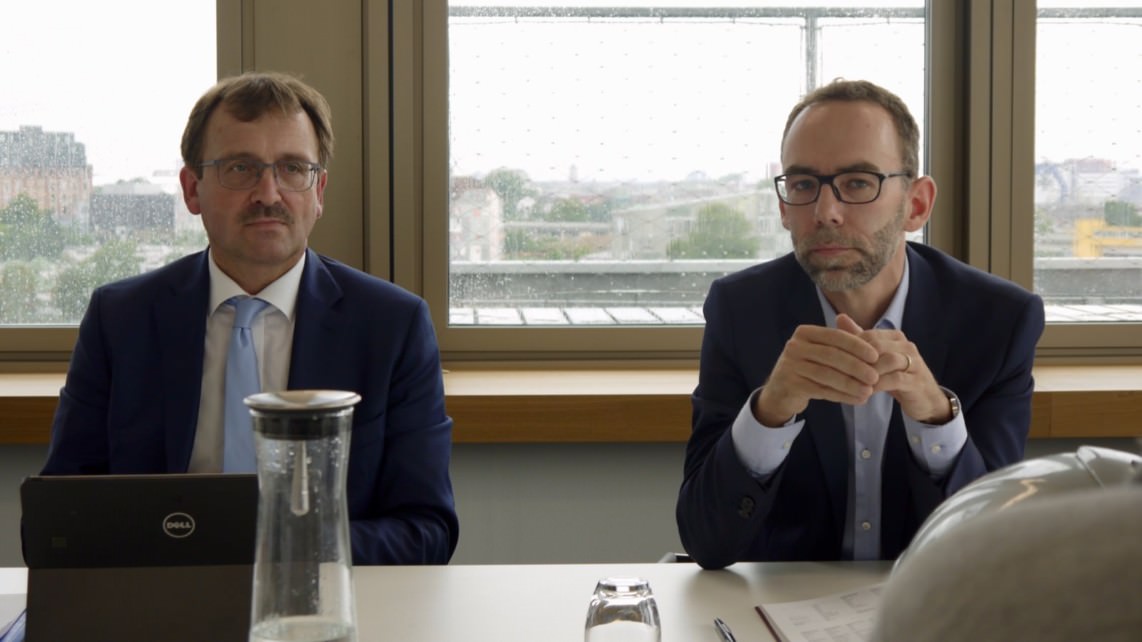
point(277, 212)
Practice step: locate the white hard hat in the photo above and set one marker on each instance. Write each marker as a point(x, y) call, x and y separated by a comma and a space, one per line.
point(1087, 468)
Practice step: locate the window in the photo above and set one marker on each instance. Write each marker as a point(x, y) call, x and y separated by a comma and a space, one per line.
point(606, 164)
point(95, 99)
point(587, 268)
point(1088, 158)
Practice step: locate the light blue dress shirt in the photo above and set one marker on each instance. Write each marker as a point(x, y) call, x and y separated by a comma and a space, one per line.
point(762, 449)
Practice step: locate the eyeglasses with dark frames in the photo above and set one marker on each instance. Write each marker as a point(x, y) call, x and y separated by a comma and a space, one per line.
point(854, 188)
point(244, 173)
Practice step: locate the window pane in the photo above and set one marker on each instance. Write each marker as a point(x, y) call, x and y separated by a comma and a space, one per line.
point(1088, 151)
point(607, 164)
point(95, 98)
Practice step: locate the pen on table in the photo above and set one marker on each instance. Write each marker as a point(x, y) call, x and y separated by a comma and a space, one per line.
point(724, 631)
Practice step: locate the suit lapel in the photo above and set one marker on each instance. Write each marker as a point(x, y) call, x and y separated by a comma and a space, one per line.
point(799, 304)
point(318, 328)
point(180, 324)
point(920, 324)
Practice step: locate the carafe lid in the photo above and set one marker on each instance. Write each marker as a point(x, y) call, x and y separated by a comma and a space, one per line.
point(302, 414)
point(303, 401)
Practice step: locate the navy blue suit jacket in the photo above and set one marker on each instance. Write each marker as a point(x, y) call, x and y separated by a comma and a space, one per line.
point(130, 403)
point(977, 334)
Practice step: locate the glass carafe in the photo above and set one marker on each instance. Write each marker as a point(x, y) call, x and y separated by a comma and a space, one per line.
point(303, 585)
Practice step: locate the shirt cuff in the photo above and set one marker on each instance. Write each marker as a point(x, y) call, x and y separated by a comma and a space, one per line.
point(936, 447)
point(762, 449)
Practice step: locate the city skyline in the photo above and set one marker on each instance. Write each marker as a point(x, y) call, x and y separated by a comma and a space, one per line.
point(122, 79)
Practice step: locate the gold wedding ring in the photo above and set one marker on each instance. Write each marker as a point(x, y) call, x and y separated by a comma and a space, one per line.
point(909, 364)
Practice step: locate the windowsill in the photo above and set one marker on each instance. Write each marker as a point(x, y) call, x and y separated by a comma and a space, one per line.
point(629, 406)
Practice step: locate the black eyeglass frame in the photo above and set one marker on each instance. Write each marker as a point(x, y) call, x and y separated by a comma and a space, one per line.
point(314, 169)
point(827, 179)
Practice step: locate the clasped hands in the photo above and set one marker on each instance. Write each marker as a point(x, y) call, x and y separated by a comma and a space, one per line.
point(847, 364)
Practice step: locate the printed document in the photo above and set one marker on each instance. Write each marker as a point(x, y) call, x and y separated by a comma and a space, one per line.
point(841, 617)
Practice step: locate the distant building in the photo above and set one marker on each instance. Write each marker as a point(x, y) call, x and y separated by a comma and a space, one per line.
point(133, 212)
point(167, 181)
point(644, 232)
point(476, 226)
point(51, 168)
point(1081, 186)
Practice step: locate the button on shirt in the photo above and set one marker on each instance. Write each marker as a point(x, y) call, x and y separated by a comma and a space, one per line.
point(762, 449)
point(273, 341)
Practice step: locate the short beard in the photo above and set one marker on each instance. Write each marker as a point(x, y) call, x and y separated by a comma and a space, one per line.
point(832, 277)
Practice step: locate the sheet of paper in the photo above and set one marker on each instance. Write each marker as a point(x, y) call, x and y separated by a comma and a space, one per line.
point(841, 617)
point(11, 605)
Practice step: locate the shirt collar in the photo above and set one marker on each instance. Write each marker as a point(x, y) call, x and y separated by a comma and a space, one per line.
point(282, 293)
point(893, 315)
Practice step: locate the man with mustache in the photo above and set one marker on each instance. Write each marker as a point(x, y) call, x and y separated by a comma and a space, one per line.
point(146, 390)
point(848, 388)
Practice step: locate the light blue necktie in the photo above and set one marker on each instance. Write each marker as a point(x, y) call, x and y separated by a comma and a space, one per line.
point(241, 381)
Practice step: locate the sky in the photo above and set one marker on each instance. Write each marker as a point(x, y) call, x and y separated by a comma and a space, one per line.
point(1088, 94)
point(682, 3)
point(655, 100)
point(123, 74)
point(647, 100)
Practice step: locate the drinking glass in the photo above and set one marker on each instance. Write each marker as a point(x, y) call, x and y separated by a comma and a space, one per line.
point(623, 608)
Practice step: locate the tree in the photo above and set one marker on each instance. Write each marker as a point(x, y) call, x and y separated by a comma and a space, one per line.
point(522, 245)
point(115, 260)
point(1121, 213)
point(27, 232)
point(512, 187)
point(720, 232)
point(1043, 232)
point(567, 210)
point(19, 282)
point(599, 211)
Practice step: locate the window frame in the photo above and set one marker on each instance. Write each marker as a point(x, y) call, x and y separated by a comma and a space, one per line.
point(386, 207)
point(264, 34)
point(1003, 51)
point(981, 149)
point(25, 348)
point(653, 343)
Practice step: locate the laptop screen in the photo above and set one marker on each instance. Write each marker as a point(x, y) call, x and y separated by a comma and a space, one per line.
point(139, 558)
point(91, 521)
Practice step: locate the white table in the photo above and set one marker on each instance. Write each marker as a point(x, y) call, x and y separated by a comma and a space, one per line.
point(548, 602)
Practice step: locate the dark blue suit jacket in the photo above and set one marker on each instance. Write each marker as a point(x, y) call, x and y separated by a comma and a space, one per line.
point(130, 403)
point(977, 334)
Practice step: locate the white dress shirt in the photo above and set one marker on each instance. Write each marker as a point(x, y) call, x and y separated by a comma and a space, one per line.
point(273, 340)
point(762, 449)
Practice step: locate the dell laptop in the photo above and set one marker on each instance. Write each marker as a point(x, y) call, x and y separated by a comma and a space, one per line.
point(134, 558)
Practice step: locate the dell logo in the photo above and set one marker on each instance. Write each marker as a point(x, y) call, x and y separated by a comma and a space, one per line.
point(178, 525)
